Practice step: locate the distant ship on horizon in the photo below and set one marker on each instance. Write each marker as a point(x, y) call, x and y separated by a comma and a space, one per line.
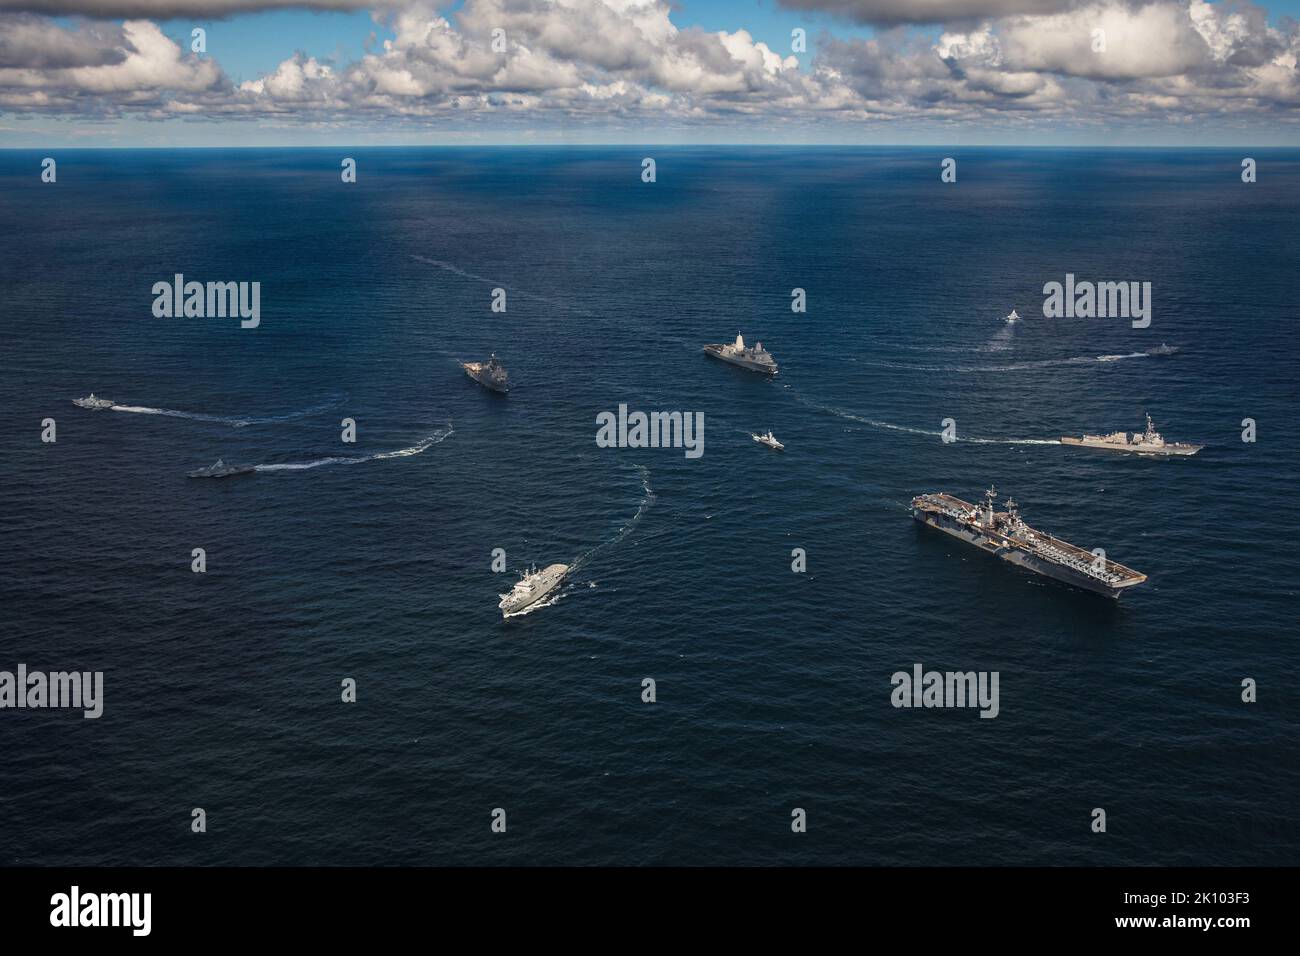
point(1004, 535)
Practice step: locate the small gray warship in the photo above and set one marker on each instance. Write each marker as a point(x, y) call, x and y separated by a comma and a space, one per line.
point(91, 402)
point(1150, 442)
point(1004, 535)
point(222, 470)
point(756, 359)
point(532, 587)
point(490, 374)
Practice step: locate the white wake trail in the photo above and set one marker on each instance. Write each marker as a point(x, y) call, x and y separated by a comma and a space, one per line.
point(647, 502)
point(416, 449)
point(225, 419)
point(457, 270)
point(874, 423)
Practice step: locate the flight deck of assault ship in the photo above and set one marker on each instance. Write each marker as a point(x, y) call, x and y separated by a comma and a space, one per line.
point(756, 359)
point(1150, 442)
point(490, 374)
point(1003, 534)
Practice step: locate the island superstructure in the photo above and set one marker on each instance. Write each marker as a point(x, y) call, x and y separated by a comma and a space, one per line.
point(490, 374)
point(755, 358)
point(1005, 535)
point(532, 587)
point(1150, 442)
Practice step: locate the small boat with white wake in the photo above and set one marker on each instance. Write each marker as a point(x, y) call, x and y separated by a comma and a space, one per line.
point(768, 439)
point(93, 403)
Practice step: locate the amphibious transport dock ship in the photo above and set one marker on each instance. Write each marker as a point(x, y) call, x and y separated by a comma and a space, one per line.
point(1150, 442)
point(532, 587)
point(756, 359)
point(490, 374)
point(1003, 534)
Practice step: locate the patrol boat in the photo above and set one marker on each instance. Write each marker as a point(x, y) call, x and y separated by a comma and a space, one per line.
point(1150, 442)
point(756, 359)
point(768, 439)
point(532, 587)
point(90, 401)
point(1004, 535)
point(490, 374)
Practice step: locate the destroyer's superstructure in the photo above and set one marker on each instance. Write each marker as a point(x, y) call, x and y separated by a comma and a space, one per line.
point(491, 374)
point(1150, 442)
point(755, 358)
point(1005, 535)
point(534, 586)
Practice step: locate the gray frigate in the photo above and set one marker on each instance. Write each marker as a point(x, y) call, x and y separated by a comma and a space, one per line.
point(491, 374)
point(1004, 535)
point(531, 588)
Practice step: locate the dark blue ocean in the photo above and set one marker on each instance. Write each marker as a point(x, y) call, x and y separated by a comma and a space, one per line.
point(372, 560)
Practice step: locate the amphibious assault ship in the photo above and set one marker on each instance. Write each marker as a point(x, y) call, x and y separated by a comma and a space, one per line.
point(532, 587)
point(90, 401)
point(756, 359)
point(491, 374)
point(1150, 442)
point(1004, 534)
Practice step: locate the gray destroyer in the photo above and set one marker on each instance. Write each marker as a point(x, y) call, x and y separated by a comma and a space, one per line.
point(490, 374)
point(91, 402)
point(1150, 442)
point(756, 358)
point(1004, 535)
point(532, 587)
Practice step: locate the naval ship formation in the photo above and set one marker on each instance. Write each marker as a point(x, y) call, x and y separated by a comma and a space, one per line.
point(1004, 535)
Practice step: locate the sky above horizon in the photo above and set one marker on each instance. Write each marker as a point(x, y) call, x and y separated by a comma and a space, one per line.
point(407, 72)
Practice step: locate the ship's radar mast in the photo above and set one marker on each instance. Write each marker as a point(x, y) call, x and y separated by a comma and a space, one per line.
point(990, 496)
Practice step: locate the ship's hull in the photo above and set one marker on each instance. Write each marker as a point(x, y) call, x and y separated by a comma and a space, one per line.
point(1161, 452)
point(486, 381)
point(717, 353)
point(1016, 556)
